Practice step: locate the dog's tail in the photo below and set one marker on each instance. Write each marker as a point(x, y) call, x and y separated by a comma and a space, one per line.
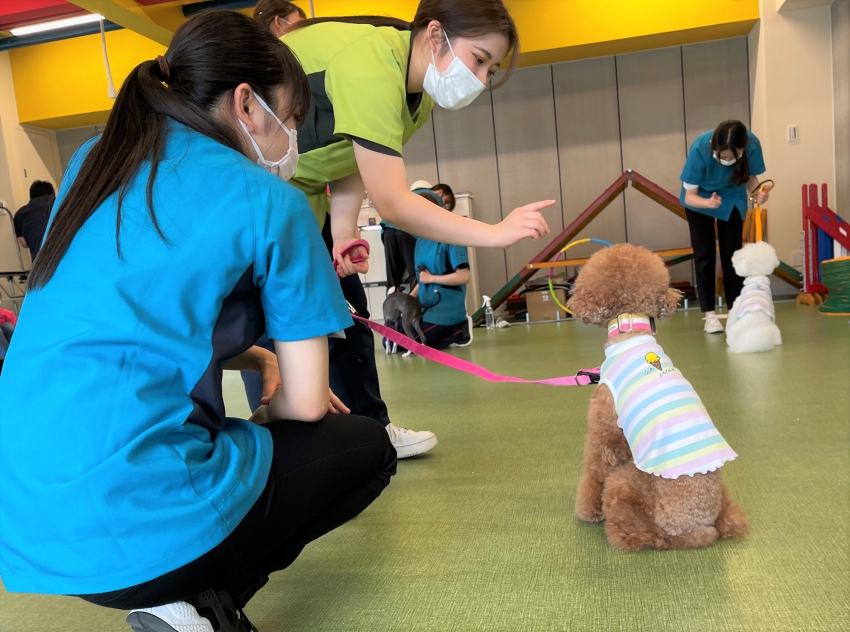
point(754, 337)
point(732, 521)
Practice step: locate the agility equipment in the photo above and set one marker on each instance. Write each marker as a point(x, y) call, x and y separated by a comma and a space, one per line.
point(826, 236)
point(629, 178)
point(835, 276)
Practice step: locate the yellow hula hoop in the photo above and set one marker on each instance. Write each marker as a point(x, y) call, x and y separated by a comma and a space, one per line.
point(562, 251)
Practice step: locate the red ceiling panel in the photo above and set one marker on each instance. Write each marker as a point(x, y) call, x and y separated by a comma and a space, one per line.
point(23, 12)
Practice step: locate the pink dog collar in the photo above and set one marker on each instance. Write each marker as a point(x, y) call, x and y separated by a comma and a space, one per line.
point(625, 323)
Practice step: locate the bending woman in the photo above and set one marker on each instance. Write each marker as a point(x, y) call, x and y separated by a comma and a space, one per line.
point(127, 485)
point(723, 166)
point(374, 82)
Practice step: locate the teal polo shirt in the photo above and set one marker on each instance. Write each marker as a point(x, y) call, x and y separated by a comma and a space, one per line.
point(117, 461)
point(702, 169)
point(446, 303)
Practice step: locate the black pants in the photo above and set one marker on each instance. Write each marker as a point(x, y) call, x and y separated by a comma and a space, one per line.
point(399, 248)
point(729, 239)
point(353, 372)
point(323, 474)
point(436, 336)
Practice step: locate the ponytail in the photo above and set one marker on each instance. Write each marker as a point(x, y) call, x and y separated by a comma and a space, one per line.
point(732, 135)
point(458, 18)
point(210, 55)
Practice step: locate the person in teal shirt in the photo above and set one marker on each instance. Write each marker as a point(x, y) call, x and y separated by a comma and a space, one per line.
point(442, 272)
point(122, 479)
point(722, 168)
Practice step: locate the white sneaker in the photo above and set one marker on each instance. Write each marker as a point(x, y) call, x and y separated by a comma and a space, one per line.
point(174, 617)
point(712, 324)
point(409, 443)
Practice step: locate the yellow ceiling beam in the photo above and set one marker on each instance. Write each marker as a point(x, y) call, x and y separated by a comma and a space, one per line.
point(134, 20)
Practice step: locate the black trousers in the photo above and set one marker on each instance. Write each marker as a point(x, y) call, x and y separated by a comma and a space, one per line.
point(353, 372)
point(729, 239)
point(399, 248)
point(323, 474)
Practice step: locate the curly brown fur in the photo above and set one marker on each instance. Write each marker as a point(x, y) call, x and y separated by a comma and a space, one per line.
point(641, 510)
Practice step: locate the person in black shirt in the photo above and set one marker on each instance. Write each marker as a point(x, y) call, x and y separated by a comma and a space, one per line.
point(31, 220)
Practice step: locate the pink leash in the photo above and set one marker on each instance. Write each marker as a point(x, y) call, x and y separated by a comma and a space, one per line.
point(582, 378)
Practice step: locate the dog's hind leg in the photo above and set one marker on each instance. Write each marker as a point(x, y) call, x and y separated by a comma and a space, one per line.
point(732, 521)
point(628, 516)
point(418, 327)
point(699, 538)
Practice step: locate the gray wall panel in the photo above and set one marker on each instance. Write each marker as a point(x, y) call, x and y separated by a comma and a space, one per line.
point(526, 143)
point(466, 153)
point(589, 145)
point(420, 155)
point(652, 122)
point(716, 85)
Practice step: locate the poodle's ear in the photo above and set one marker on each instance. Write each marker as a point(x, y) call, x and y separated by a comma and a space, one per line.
point(668, 301)
point(583, 307)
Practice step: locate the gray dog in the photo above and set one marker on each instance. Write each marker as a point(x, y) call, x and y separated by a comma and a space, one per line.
point(400, 305)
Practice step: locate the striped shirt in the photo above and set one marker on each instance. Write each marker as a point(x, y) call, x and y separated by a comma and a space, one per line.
point(756, 297)
point(661, 415)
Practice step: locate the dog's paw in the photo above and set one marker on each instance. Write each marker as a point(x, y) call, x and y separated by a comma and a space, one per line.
point(589, 515)
point(407, 354)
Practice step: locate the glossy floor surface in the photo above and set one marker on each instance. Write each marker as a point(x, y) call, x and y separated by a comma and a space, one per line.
point(479, 534)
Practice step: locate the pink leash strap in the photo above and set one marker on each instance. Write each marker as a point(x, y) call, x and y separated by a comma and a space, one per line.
point(582, 378)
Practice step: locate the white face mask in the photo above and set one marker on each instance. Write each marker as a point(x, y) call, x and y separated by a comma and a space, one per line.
point(725, 163)
point(286, 166)
point(455, 87)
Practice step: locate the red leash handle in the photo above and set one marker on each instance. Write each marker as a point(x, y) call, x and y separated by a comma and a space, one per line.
point(353, 246)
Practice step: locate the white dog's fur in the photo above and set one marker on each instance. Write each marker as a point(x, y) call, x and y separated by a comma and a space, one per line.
point(754, 332)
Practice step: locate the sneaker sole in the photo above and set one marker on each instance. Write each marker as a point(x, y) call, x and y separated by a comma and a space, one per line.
point(408, 451)
point(147, 622)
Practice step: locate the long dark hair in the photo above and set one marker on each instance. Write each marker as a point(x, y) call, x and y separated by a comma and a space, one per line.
point(459, 18)
point(267, 10)
point(210, 55)
point(732, 135)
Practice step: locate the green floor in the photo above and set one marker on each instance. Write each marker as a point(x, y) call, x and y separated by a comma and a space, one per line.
point(479, 533)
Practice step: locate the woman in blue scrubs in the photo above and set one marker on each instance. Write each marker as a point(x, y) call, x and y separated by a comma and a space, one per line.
point(722, 168)
point(122, 480)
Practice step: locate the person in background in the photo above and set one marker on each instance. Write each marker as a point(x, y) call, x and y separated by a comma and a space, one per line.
point(721, 171)
point(399, 246)
point(31, 220)
point(278, 16)
point(443, 274)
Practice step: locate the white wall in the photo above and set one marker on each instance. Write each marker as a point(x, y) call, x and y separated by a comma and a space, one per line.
point(840, 19)
point(791, 84)
point(26, 154)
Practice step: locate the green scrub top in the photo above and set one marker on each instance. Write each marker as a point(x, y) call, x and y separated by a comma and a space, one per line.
point(358, 75)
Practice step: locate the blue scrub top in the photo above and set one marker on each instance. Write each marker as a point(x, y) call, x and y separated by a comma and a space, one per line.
point(702, 169)
point(446, 303)
point(117, 462)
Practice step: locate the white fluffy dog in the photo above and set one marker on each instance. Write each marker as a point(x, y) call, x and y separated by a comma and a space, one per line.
point(751, 325)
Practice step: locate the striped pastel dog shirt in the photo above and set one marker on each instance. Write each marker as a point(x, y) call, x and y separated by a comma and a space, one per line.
point(662, 417)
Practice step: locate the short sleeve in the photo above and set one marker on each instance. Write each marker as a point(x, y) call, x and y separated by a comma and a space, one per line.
point(300, 292)
point(694, 170)
point(367, 89)
point(755, 156)
point(459, 256)
point(19, 224)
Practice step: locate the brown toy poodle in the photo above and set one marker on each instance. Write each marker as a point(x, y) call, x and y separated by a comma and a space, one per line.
point(652, 454)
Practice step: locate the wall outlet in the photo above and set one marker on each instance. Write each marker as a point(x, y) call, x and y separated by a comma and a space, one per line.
point(797, 259)
point(792, 133)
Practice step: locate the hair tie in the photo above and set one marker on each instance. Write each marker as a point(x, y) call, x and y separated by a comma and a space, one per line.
point(164, 71)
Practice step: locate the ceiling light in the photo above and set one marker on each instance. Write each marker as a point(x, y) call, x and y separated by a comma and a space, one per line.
point(57, 24)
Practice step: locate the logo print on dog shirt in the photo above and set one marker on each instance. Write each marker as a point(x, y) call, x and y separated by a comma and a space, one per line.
point(654, 360)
